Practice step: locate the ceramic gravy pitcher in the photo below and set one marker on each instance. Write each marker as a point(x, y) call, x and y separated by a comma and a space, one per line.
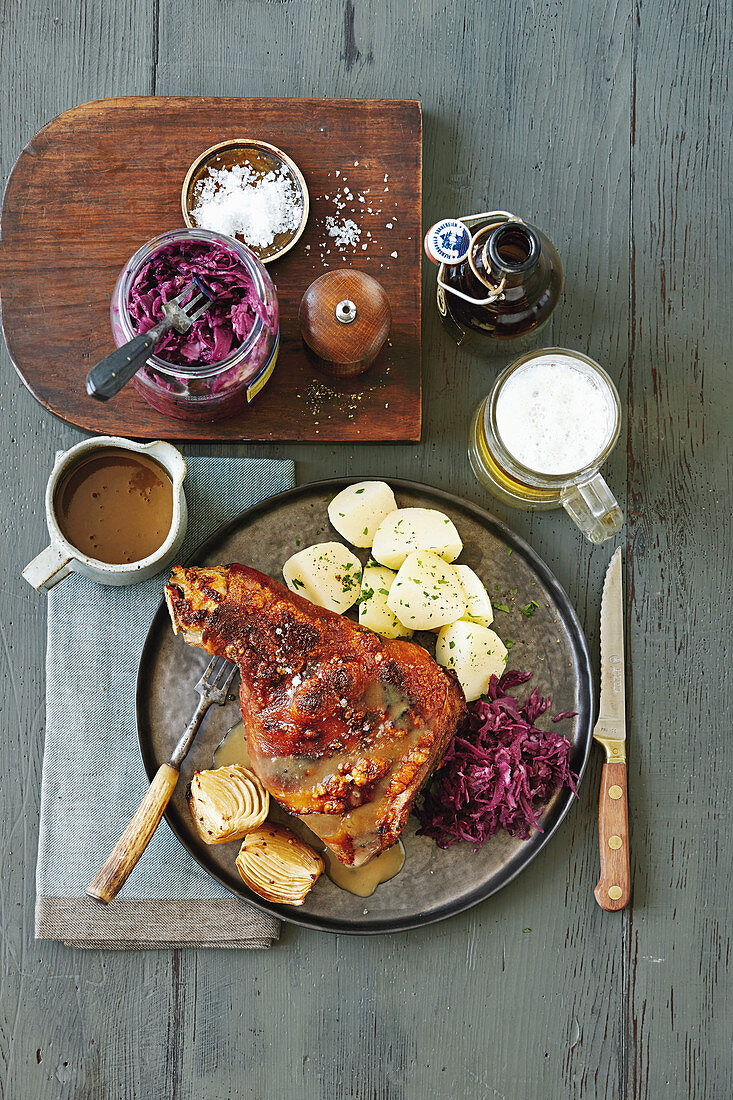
point(61, 557)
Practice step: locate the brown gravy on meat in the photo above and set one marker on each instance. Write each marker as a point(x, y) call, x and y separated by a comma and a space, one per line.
point(362, 881)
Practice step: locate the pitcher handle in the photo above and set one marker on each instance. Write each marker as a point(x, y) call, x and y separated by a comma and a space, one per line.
point(592, 505)
point(49, 567)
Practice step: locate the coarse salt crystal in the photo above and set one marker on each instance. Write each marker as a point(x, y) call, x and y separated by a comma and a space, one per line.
point(345, 232)
point(237, 201)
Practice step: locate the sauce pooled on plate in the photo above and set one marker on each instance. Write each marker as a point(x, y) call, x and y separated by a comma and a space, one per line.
point(362, 881)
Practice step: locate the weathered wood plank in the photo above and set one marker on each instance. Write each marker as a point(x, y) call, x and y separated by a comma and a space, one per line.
point(509, 121)
point(680, 487)
point(52, 57)
point(530, 109)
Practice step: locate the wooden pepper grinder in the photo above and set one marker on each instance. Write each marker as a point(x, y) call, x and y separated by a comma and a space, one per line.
point(344, 320)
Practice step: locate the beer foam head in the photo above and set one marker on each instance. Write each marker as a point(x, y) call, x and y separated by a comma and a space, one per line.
point(555, 414)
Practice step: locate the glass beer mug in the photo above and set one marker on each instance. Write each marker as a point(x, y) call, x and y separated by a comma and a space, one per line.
point(540, 437)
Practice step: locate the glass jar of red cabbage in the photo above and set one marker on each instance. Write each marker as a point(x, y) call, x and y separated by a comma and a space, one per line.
point(220, 365)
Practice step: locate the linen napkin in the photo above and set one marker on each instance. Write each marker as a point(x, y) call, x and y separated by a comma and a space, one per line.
point(93, 779)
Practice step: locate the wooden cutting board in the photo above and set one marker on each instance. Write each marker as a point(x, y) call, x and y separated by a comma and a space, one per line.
point(103, 178)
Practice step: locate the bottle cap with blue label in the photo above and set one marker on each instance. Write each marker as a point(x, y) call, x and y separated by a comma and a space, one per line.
point(448, 242)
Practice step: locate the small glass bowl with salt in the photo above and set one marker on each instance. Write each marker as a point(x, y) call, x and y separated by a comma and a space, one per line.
point(249, 190)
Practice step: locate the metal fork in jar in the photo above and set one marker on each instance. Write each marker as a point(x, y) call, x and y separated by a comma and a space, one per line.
point(117, 369)
point(213, 687)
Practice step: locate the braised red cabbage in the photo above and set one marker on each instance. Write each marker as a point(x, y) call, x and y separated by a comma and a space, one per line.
point(498, 771)
point(223, 327)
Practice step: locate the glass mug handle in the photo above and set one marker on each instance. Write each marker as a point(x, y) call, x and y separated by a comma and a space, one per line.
point(592, 505)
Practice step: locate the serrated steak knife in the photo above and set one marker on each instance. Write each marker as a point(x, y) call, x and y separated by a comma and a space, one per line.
point(614, 888)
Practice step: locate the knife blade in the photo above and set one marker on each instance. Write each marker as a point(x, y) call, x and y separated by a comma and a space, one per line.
point(614, 887)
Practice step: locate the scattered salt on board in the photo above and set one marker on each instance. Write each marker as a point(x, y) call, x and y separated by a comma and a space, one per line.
point(345, 231)
point(240, 202)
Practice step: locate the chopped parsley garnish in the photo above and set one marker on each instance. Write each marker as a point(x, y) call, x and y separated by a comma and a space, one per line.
point(357, 492)
point(501, 607)
point(530, 609)
point(297, 583)
point(366, 595)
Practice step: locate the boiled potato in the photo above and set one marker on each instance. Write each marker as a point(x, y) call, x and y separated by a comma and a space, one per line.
point(426, 593)
point(474, 653)
point(374, 613)
point(357, 511)
point(478, 604)
point(408, 529)
point(327, 574)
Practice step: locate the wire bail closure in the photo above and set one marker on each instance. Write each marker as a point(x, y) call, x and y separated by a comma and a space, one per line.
point(496, 290)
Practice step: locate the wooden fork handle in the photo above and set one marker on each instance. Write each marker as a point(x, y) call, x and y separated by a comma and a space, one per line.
point(614, 888)
point(108, 882)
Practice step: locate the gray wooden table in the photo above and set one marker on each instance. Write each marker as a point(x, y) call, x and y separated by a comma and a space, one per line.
point(607, 122)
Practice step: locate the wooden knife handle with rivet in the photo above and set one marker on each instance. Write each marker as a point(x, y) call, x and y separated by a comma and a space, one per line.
point(614, 887)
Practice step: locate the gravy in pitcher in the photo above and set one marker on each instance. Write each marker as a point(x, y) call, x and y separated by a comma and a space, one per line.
point(115, 505)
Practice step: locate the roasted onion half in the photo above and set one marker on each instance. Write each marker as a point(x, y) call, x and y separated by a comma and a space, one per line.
point(226, 803)
point(277, 865)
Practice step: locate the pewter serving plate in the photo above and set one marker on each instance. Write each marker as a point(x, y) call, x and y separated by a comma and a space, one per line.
point(434, 883)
